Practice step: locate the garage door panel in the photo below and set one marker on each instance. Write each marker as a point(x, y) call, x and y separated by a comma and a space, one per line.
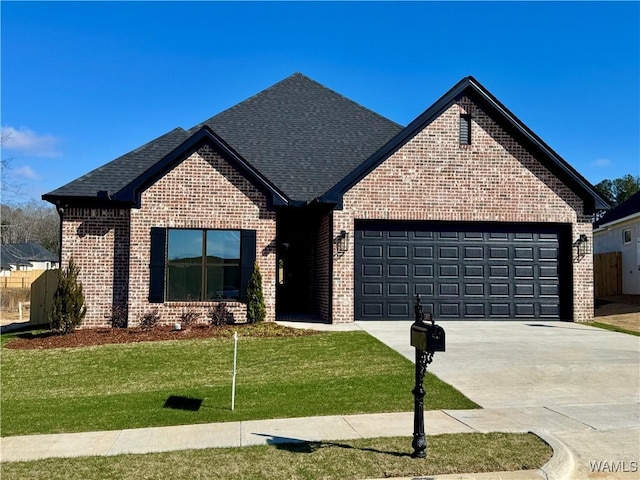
point(498, 290)
point(371, 270)
point(474, 271)
point(423, 252)
point(474, 290)
point(399, 271)
point(374, 289)
point(399, 310)
point(448, 253)
point(398, 251)
point(401, 289)
point(471, 273)
point(473, 253)
point(526, 290)
point(423, 271)
point(449, 271)
point(372, 310)
point(372, 251)
point(524, 310)
point(449, 310)
point(423, 289)
point(523, 271)
point(498, 271)
point(449, 290)
point(475, 310)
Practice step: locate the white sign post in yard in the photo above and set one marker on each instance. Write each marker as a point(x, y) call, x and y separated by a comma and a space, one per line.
point(233, 380)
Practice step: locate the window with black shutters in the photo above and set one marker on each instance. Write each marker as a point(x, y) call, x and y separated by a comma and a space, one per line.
point(465, 129)
point(200, 265)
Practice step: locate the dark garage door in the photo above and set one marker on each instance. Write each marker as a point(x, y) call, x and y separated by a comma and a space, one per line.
point(466, 271)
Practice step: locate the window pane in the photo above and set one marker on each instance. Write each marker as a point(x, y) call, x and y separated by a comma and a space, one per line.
point(223, 264)
point(184, 265)
point(223, 246)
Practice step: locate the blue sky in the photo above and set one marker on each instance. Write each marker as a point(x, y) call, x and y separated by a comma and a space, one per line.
point(85, 82)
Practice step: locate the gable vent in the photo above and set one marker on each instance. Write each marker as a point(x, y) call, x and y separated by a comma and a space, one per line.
point(465, 129)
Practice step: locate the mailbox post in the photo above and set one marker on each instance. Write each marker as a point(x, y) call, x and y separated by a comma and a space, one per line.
point(427, 339)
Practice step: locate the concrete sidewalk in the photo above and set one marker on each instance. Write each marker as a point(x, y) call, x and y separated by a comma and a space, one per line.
point(317, 429)
point(566, 435)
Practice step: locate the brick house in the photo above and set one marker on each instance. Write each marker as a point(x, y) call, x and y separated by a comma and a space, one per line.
point(347, 214)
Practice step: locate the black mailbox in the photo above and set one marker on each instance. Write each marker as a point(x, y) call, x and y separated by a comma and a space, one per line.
point(428, 337)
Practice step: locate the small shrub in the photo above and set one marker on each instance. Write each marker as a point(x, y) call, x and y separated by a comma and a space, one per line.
point(256, 310)
point(188, 318)
point(149, 319)
point(68, 309)
point(118, 316)
point(220, 315)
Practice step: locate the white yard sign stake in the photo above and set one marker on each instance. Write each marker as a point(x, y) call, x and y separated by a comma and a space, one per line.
point(233, 380)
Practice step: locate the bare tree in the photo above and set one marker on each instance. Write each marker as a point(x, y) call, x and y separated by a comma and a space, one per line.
point(34, 221)
point(8, 188)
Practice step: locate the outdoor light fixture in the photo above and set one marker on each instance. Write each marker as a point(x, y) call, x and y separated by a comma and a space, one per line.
point(342, 242)
point(582, 246)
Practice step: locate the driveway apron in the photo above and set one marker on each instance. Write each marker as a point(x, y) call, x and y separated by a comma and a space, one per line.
point(581, 383)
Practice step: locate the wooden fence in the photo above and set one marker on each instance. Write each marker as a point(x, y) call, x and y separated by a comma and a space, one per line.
point(607, 274)
point(20, 279)
point(42, 290)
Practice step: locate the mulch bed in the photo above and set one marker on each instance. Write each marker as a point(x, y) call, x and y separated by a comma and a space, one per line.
point(101, 336)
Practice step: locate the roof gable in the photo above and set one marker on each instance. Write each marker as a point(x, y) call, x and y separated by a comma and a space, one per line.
point(471, 88)
point(131, 193)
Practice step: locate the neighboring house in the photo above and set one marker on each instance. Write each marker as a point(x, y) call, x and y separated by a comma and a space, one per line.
point(347, 214)
point(619, 231)
point(26, 257)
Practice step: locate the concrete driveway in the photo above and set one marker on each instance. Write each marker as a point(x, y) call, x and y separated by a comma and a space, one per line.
point(578, 382)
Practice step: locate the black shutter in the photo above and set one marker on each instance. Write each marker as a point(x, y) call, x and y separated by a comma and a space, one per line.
point(247, 260)
point(157, 264)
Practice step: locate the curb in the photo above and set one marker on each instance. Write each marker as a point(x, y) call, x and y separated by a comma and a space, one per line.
point(562, 464)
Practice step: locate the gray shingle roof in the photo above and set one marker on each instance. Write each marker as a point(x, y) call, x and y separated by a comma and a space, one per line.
point(301, 136)
point(115, 175)
point(627, 208)
point(25, 253)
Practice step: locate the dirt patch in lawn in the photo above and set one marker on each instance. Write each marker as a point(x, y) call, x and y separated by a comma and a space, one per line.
point(101, 336)
point(621, 311)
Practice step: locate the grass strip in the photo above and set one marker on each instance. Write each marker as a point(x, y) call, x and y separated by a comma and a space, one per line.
point(613, 328)
point(340, 460)
point(123, 386)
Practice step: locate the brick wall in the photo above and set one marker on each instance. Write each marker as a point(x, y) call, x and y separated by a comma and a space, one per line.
point(322, 268)
point(433, 177)
point(204, 191)
point(98, 240)
point(112, 246)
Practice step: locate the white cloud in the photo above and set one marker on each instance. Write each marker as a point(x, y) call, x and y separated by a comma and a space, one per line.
point(29, 142)
point(26, 172)
point(601, 162)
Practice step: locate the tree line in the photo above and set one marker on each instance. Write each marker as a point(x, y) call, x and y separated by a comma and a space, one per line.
point(33, 221)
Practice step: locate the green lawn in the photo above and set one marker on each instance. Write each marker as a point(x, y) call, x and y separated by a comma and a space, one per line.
point(340, 460)
point(126, 386)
